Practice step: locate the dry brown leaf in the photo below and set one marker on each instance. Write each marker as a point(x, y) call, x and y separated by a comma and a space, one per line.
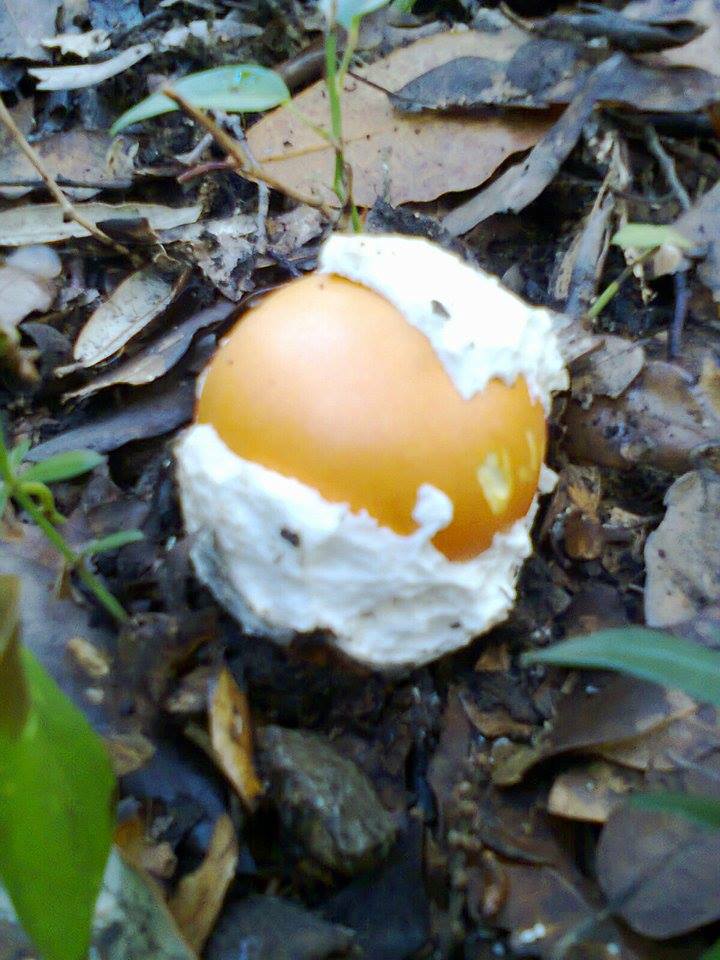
point(198, 899)
point(231, 737)
point(703, 50)
point(607, 371)
point(660, 871)
point(159, 357)
point(129, 752)
point(590, 793)
point(45, 222)
point(682, 556)
point(23, 26)
point(660, 420)
point(134, 303)
point(142, 852)
point(394, 157)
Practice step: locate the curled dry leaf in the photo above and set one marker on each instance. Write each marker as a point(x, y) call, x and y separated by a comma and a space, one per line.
point(590, 793)
point(607, 371)
point(682, 556)
point(157, 358)
point(45, 222)
point(197, 902)
point(145, 854)
point(395, 157)
point(660, 871)
point(700, 51)
point(659, 421)
point(89, 74)
point(27, 284)
point(231, 737)
point(134, 303)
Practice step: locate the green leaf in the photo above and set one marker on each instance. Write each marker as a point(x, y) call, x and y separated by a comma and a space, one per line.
point(345, 11)
point(63, 466)
point(56, 819)
point(702, 810)
point(713, 953)
point(649, 654)
point(4, 497)
point(645, 236)
point(18, 453)
point(14, 695)
point(236, 88)
point(112, 542)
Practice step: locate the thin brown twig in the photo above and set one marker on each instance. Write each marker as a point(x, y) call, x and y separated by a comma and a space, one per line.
point(238, 156)
point(70, 212)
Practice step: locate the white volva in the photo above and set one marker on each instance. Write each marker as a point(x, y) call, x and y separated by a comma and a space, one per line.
point(283, 559)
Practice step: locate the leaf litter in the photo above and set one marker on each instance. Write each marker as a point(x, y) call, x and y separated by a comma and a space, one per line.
point(477, 805)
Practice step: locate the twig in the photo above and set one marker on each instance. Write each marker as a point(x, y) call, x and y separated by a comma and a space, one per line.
point(667, 166)
point(682, 299)
point(239, 160)
point(69, 211)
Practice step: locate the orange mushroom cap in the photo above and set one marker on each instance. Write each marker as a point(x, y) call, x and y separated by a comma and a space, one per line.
point(325, 381)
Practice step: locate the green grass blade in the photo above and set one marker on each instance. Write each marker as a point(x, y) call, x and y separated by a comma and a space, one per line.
point(713, 953)
point(63, 466)
point(702, 810)
point(112, 542)
point(236, 88)
point(649, 654)
point(348, 10)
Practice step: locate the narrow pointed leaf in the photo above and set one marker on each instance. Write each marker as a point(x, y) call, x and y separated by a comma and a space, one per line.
point(236, 88)
point(702, 810)
point(3, 499)
point(14, 694)
point(645, 236)
point(713, 953)
point(649, 654)
point(63, 466)
point(56, 818)
point(112, 542)
point(18, 453)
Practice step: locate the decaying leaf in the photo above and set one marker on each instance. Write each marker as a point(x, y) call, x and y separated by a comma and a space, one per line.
point(89, 74)
point(199, 896)
point(660, 420)
point(590, 793)
point(27, 284)
point(395, 157)
point(617, 80)
point(158, 357)
point(700, 51)
point(222, 249)
point(45, 223)
point(135, 303)
point(231, 737)
point(23, 26)
point(682, 556)
point(607, 371)
point(142, 852)
point(82, 45)
point(659, 871)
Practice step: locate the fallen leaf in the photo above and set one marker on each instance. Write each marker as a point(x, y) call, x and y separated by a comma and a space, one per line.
point(27, 284)
point(607, 371)
point(82, 45)
point(659, 421)
point(23, 26)
point(660, 872)
point(231, 737)
point(199, 896)
point(45, 223)
point(682, 556)
point(699, 52)
point(395, 157)
point(618, 80)
point(590, 793)
point(222, 250)
point(89, 74)
point(147, 416)
point(157, 358)
point(142, 852)
point(134, 303)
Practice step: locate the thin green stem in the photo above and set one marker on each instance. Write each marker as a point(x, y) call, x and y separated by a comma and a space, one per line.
point(612, 288)
point(350, 46)
point(46, 501)
point(73, 559)
point(331, 77)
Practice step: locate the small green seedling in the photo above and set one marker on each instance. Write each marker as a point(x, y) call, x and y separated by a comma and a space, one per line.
point(56, 798)
point(249, 88)
point(27, 486)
